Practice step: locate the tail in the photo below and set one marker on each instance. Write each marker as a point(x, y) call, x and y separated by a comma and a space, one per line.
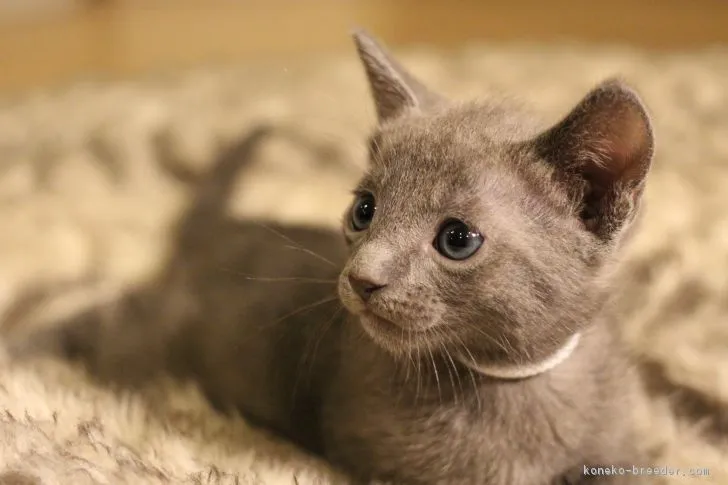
point(211, 191)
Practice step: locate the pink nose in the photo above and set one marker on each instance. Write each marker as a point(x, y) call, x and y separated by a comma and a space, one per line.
point(364, 287)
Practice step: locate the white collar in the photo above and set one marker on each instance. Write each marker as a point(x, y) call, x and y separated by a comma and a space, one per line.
point(505, 371)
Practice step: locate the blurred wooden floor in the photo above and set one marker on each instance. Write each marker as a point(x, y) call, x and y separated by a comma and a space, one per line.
point(126, 37)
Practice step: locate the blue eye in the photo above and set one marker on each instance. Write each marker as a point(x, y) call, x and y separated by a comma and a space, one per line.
point(362, 212)
point(456, 240)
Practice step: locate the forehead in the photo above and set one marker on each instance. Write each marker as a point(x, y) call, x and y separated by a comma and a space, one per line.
point(443, 162)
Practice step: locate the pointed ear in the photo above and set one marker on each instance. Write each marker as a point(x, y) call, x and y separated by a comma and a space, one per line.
point(603, 151)
point(395, 90)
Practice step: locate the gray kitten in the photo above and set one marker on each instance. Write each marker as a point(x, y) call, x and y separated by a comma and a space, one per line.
point(478, 347)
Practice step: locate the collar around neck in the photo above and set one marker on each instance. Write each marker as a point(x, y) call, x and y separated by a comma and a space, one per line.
point(506, 371)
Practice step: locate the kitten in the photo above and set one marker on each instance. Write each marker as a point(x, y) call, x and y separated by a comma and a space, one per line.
point(478, 346)
point(480, 349)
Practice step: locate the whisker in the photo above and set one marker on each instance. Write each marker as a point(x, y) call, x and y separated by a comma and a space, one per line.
point(455, 371)
point(376, 144)
point(279, 279)
point(309, 353)
point(411, 365)
point(294, 244)
point(311, 253)
point(440, 333)
point(513, 349)
point(437, 375)
point(409, 340)
point(492, 339)
point(325, 328)
point(305, 307)
point(470, 371)
point(419, 375)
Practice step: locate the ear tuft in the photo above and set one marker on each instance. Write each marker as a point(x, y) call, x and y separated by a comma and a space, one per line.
point(395, 91)
point(604, 147)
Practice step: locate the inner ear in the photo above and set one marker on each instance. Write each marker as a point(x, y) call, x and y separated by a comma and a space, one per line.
point(603, 151)
point(394, 89)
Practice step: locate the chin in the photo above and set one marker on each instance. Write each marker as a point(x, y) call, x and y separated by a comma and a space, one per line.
point(394, 338)
point(388, 335)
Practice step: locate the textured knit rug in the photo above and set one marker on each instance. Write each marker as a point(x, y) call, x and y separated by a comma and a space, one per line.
point(87, 194)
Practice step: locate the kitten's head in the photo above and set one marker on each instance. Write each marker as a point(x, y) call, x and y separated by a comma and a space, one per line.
point(474, 229)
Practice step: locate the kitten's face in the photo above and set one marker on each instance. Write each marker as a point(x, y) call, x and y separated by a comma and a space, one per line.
point(469, 251)
point(474, 231)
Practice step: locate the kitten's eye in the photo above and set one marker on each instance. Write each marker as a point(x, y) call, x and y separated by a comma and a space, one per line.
point(457, 241)
point(363, 212)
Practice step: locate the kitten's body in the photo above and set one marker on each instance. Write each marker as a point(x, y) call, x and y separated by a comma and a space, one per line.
point(389, 391)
